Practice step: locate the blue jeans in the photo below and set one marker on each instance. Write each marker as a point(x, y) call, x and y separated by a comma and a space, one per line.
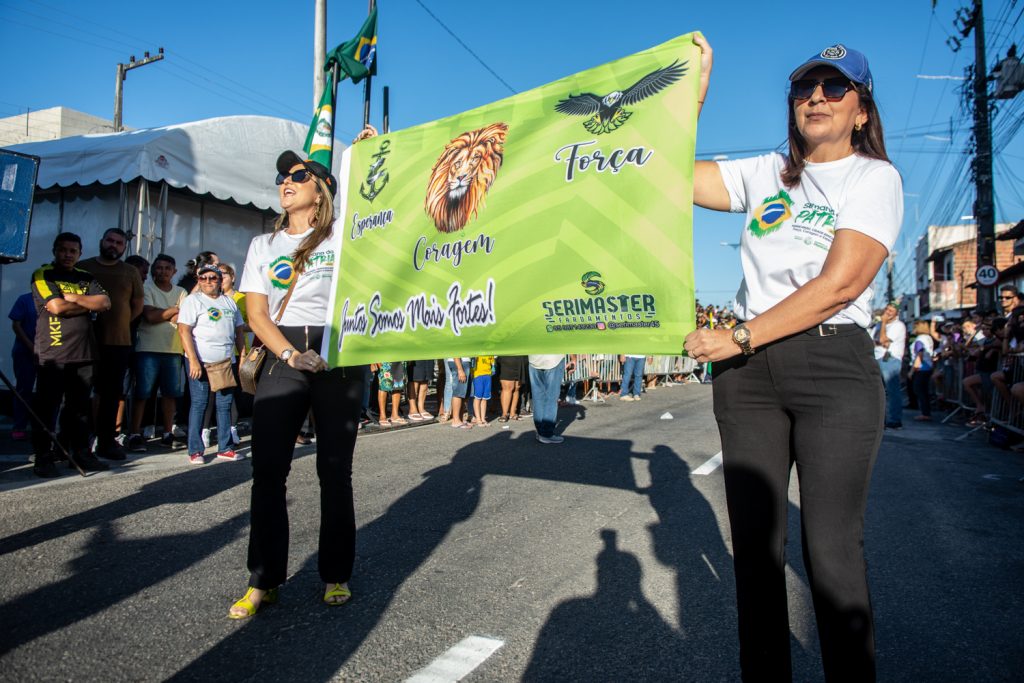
point(893, 395)
point(545, 386)
point(633, 373)
point(446, 407)
point(199, 389)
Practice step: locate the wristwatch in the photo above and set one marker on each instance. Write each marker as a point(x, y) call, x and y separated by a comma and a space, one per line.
point(741, 336)
point(286, 354)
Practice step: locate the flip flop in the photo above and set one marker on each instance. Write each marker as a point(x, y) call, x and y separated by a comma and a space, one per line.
point(415, 417)
point(399, 421)
point(462, 425)
point(426, 416)
point(338, 591)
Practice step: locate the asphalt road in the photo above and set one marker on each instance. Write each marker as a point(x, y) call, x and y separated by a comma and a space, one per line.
point(606, 558)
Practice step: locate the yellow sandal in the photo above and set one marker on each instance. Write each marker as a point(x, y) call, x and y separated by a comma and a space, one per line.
point(338, 591)
point(270, 597)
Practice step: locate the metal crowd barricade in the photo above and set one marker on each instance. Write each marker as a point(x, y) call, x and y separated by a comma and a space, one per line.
point(1009, 416)
point(953, 387)
point(600, 368)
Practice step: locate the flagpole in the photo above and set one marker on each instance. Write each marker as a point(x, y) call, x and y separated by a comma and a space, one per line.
point(334, 109)
point(366, 87)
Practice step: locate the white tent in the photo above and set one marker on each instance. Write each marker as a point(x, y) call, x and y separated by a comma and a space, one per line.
point(181, 189)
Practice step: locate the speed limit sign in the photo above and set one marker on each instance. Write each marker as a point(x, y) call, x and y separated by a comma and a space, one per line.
point(987, 275)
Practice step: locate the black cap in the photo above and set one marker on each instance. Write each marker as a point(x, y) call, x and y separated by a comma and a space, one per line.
point(288, 159)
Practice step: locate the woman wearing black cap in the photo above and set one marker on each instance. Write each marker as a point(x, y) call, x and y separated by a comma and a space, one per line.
point(797, 381)
point(287, 283)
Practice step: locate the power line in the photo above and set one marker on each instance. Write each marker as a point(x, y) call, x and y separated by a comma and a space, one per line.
point(467, 48)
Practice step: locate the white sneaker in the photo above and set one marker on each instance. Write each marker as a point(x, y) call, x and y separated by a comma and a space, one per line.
point(550, 439)
point(625, 397)
point(121, 440)
point(206, 438)
point(178, 432)
point(234, 436)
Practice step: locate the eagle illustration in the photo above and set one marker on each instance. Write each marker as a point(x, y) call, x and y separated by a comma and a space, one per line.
point(607, 113)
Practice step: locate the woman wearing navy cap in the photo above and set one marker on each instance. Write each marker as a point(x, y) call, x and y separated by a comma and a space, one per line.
point(796, 382)
point(287, 283)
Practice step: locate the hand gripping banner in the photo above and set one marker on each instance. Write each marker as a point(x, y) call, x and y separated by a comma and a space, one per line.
point(558, 220)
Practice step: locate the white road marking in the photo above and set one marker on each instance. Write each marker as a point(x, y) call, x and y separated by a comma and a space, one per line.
point(458, 662)
point(711, 465)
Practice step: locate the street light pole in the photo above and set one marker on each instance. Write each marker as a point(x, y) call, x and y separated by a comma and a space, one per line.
point(122, 72)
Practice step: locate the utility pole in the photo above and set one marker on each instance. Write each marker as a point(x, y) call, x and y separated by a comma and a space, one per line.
point(319, 51)
point(984, 209)
point(122, 71)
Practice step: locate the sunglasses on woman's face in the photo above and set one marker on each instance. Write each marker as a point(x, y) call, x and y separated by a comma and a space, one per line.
point(833, 89)
point(300, 176)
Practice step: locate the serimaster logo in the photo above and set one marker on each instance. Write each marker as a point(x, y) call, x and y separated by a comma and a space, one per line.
point(215, 314)
point(606, 113)
point(592, 283)
point(769, 217)
point(282, 272)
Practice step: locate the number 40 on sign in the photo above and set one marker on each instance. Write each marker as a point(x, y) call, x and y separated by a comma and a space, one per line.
point(987, 275)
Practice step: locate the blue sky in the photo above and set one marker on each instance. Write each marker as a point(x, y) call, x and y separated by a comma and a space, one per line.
point(255, 57)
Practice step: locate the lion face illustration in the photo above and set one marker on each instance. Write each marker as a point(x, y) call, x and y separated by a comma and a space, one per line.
point(463, 174)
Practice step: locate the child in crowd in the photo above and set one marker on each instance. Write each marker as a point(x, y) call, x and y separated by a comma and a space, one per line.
point(390, 380)
point(483, 368)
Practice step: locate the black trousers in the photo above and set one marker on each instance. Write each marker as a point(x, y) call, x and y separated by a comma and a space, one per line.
point(283, 398)
point(817, 402)
point(110, 370)
point(72, 384)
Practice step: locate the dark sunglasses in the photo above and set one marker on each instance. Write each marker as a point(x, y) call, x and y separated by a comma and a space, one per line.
point(300, 176)
point(209, 278)
point(834, 89)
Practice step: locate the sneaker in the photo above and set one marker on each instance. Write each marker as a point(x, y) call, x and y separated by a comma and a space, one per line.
point(625, 397)
point(113, 452)
point(206, 438)
point(149, 432)
point(136, 444)
point(167, 441)
point(19, 435)
point(229, 455)
point(636, 398)
point(90, 463)
point(44, 468)
point(196, 459)
point(234, 436)
point(894, 425)
point(550, 439)
point(121, 440)
point(178, 432)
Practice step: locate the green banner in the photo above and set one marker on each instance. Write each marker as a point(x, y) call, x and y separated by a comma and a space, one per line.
point(558, 220)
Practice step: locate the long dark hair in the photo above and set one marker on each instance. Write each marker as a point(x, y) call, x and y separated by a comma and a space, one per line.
point(868, 141)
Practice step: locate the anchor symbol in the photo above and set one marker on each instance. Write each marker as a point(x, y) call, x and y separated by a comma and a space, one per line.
point(377, 177)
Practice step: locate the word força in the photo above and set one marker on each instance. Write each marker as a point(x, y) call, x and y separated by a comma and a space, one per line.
point(577, 160)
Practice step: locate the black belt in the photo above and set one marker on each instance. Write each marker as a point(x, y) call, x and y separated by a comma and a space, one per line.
point(830, 330)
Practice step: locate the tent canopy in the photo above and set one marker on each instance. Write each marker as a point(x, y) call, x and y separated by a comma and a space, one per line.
point(230, 157)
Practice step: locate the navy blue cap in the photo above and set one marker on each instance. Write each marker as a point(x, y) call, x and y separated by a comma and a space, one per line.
point(850, 63)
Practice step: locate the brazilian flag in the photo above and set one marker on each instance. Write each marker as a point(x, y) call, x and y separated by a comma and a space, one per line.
point(320, 139)
point(357, 58)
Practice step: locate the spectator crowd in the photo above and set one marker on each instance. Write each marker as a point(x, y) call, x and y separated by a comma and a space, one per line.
point(116, 355)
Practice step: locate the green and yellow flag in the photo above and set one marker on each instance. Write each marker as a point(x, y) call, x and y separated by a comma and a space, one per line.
point(357, 58)
point(320, 138)
point(558, 220)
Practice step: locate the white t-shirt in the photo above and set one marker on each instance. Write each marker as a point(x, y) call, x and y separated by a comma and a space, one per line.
point(268, 270)
point(545, 361)
point(927, 348)
point(788, 232)
point(896, 331)
point(213, 323)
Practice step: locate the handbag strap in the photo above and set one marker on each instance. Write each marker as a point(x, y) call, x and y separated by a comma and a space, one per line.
point(284, 303)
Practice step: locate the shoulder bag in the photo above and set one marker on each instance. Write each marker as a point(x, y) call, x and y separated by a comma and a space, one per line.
point(249, 368)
